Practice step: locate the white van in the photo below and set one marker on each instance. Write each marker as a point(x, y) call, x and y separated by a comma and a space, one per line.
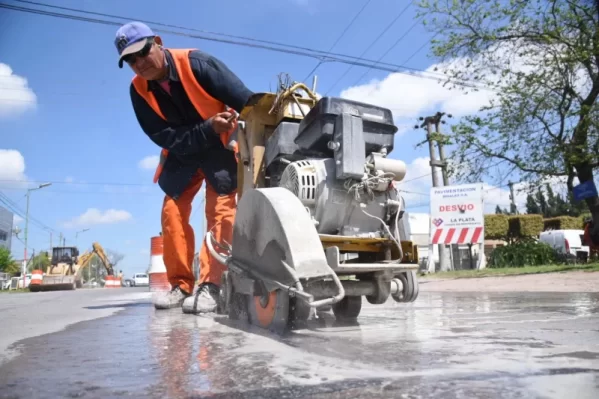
point(141, 280)
point(565, 242)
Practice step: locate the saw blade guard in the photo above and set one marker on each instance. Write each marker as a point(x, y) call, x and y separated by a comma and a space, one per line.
point(274, 235)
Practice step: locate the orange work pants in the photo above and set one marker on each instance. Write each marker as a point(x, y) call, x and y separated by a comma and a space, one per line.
point(179, 237)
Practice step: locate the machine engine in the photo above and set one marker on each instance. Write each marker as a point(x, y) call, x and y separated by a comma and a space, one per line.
point(335, 161)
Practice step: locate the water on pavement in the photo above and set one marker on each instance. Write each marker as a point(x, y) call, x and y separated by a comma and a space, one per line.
point(445, 345)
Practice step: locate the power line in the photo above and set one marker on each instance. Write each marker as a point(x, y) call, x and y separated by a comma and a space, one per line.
point(14, 208)
point(370, 45)
point(186, 28)
point(339, 38)
point(419, 49)
point(318, 54)
point(387, 52)
point(79, 183)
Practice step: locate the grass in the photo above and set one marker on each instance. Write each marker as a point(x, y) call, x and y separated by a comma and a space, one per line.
point(20, 290)
point(512, 271)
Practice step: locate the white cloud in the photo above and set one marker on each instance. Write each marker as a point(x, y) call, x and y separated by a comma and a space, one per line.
point(69, 179)
point(94, 216)
point(16, 219)
point(150, 162)
point(410, 96)
point(16, 97)
point(12, 169)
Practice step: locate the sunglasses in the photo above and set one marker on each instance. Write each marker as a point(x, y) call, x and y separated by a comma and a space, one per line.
point(131, 58)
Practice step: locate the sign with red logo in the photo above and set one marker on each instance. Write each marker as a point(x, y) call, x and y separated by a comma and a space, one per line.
point(457, 215)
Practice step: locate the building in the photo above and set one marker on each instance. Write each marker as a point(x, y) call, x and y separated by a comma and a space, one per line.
point(6, 226)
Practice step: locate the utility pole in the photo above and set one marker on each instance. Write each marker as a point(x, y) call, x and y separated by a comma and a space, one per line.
point(513, 197)
point(440, 145)
point(428, 122)
point(26, 231)
point(443, 162)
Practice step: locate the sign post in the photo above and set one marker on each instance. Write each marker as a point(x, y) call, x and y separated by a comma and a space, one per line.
point(457, 216)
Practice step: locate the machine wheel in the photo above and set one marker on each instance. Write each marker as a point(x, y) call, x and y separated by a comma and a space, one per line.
point(224, 294)
point(271, 311)
point(382, 293)
point(410, 287)
point(348, 308)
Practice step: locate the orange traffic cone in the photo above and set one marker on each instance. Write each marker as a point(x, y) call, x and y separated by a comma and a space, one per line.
point(157, 273)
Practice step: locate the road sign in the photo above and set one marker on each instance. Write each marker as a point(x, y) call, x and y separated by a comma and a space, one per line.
point(457, 214)
point(585, 190)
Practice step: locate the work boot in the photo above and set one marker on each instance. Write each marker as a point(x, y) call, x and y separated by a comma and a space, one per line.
point(204, 300)
point(172, 299)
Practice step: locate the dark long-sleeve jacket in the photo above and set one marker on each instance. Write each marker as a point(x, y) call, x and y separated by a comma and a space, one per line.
point(191, 141)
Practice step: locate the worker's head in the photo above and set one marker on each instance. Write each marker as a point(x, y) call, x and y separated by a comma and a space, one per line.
point(139, 47)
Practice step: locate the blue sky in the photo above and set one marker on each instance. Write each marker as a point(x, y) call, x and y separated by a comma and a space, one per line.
point(66, 116)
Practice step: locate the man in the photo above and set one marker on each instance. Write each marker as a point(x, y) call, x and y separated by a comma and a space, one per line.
point(181, 100)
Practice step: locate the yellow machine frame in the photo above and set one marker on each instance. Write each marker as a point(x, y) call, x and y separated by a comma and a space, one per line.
point(261, 116)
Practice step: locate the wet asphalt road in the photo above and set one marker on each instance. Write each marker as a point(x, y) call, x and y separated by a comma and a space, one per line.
point(445, 345)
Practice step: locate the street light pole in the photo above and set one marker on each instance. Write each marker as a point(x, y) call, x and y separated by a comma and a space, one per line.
point(26, 230)
point(77, 234)
point(89, 267)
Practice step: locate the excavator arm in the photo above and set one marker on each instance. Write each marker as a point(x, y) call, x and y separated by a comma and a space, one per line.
point(102, 255)
point(85, 259)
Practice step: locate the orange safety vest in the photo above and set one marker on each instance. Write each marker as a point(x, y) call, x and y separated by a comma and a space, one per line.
point(206, 105)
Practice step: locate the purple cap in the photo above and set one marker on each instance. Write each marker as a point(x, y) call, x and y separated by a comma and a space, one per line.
point(130, 38)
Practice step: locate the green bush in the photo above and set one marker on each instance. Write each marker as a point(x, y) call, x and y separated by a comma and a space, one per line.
point(522, 253)
point(563, 223)
point(496, 227)
point(523, 226)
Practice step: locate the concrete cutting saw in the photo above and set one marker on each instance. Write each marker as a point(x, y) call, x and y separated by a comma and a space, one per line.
point(319, 220)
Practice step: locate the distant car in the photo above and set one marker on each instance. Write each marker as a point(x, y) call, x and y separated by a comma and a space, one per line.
point(141, 279)
point(567, 243)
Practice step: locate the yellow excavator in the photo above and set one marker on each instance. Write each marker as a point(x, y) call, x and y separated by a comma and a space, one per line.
point(66, 266)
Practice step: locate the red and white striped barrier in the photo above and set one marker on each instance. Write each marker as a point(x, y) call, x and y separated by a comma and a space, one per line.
point(112, 282)
point(158, 279)
point(457, 235)
point(36, 277)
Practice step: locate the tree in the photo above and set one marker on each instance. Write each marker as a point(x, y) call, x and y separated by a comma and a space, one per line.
point(552, 203)
point(539, 62)
point(39, 262)
point(498, 210)
point(114, 258)
point(540, 198)
point(532, 207)
point(513, 209)
point(7, 263)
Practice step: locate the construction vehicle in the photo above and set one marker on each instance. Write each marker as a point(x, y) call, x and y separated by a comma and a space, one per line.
point(319, 220)
point(66, 266)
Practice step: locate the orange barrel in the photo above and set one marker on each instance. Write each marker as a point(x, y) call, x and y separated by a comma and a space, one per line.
point(36, 277)
point(157, 273)
point(112, 282)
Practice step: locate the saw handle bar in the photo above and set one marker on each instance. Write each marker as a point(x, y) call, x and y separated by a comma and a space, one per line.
point(293, 291)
